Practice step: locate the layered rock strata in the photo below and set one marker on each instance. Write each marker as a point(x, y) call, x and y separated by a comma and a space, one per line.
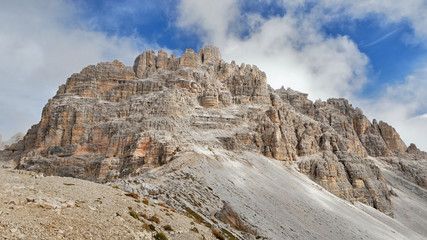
point(111, 121)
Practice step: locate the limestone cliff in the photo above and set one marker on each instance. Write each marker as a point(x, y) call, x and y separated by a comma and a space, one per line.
point(111, 121)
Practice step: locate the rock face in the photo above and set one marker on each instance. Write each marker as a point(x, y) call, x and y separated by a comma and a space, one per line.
point(111, 121)
point(13, 140)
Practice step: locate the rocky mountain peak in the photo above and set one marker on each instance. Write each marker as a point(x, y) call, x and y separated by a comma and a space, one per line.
point(112, 121)
point(148, 63)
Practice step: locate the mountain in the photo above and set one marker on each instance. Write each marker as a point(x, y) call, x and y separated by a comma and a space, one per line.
point(213, 139)
point(14, 139)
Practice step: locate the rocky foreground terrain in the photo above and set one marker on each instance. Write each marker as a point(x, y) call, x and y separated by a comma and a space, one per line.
point(36, 207)
point(211, 139)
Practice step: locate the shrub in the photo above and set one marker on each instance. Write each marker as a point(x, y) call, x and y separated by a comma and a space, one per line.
point(163, 205)
point(133, 214)
point(133, 195)
point(154, 219)
point(217, 234)
point(147, 227)
point(161, 236)
point(152, 228)
point(145, 201)
point(196, 216)
point(167, 227)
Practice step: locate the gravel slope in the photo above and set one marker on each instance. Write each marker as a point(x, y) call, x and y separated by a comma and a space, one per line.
point(37, 207)
point(269, 196)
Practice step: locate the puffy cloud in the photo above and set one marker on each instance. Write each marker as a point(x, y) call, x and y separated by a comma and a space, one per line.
point(39, 48)
point(295, 52)
point(291, 49)
point(405, 106)
point(211, 19)
point(411, 11)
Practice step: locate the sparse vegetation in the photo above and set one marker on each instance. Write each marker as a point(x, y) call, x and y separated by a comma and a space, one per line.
point(229, 235)
point(197, 217)
point(133, 214)
point(217, 234)
point(69, 184)
point(167, 227)
point(147, 227)
point(163, 205)
point(154, 219)
point(116, 187)
point(152, 228)
point(161, 236)
point(133, 195)
point(145, 201)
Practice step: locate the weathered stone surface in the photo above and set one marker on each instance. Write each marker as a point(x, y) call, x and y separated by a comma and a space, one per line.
point(229, 216)
point(412, 149)
point(191, 59)
point(361, 136)
point(111, 121)
point(144, 64)
point(413, 170)
point(412, 152)
point(66, 208)
point(349, 177)
point(162, 60)
point(14, 140)
point(392, 138)
point(211, 55)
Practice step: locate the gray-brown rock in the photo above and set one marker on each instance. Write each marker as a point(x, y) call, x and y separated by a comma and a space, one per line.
point(412, 149)
point(349, 177)
point(111, 121)
point(392, 138)
point(211, 55)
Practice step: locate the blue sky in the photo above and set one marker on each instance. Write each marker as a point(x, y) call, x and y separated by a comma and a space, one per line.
point(369, 51)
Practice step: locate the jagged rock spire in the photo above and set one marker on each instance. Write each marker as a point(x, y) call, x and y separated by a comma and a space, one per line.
point(148, 62)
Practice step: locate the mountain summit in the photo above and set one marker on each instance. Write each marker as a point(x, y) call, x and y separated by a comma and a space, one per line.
point(214, 139)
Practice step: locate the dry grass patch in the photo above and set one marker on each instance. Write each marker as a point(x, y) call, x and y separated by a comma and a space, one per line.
point(168, 228)
point(160, 236)
point(154, 219)
point(133, 195)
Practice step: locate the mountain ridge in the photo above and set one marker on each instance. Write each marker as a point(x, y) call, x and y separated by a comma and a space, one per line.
point(111, 122)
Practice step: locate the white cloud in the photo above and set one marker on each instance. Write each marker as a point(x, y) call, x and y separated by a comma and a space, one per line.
point(214, 16)
point(294, 52)
point(41, 45)
point(414, 12)
point(405, 107)
point(290, 48)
